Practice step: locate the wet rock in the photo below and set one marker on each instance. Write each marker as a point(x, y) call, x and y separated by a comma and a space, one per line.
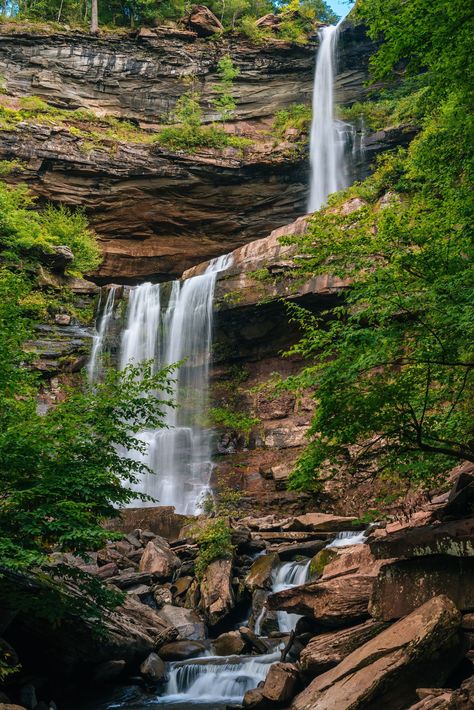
point(327, 650)
point(229, 644)
point(280, 683)
point(385, 672)
point(181, 650)
point(186, 621)
point(404, 585)
point(158, 558)
point(260, 573)
point(253, 640)
point(153, 669)
point(254, 699)
point(202, 21)
point(9, 706)
point(335, 603)
point(321, 559)
point(217, 597)
point(108, 671)
point(292, 550)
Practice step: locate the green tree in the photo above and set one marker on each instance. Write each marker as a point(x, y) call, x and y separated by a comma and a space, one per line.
point(393, 364)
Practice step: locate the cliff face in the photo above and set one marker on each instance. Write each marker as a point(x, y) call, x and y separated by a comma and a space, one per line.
point(140, 75)
point(158, 212)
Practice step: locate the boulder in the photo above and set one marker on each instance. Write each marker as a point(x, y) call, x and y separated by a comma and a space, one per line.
point(324, 522)
point(404, 585)
point(202, 21)
point(455, 538)
point(127, 579)
point(280, 683)
point(58, 259)
point(253, 640)
point(335, 603)
point(182, 650)
point(260, 573)
point(153, 669)
point(253, 698)
point(217, 597)
point(291, 550)
point(186, 621)
point(327, 650)
point(384, 673)
point(158, 558)
point(229, 644)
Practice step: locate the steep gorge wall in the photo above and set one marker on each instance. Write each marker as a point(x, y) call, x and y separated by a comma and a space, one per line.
point(156, 211)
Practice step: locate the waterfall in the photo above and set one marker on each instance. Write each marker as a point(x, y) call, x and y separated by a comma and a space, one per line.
point(94, 366)
point(215, 679)
point(168, 323)
point(328, 136)
point(290, 574)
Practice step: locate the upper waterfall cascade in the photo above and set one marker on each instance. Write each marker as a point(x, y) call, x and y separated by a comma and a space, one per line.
point(170, 323)
point(329, 171)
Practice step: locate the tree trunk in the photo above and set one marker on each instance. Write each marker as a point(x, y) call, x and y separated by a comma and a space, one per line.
point(60, 10)
point(94, 17)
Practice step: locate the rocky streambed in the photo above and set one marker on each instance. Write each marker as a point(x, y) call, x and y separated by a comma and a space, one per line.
point(312, 611)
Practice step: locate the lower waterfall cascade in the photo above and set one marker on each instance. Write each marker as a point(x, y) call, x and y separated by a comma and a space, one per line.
point(170, 323)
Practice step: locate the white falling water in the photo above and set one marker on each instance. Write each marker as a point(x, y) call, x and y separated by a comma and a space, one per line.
point(179, 455)
point(94, 366)
point(207, 680)
point(288, 575)
point(328, 136)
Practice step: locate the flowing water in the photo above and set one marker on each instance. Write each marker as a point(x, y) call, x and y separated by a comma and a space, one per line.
point(170, 323)
point(329, 136)
point(95, 364)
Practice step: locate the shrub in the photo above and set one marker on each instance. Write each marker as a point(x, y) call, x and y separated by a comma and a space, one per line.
point(215, 542)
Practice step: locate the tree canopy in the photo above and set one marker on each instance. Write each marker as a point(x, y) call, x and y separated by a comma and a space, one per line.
point(393, 364)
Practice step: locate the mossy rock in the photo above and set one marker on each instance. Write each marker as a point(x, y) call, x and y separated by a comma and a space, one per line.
point(321, 559)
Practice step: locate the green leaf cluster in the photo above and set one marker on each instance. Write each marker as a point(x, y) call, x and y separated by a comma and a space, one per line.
point(392, 365)
point(26, 233)
point(215, 542)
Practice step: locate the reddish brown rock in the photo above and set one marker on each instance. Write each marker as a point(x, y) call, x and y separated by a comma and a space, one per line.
point(229, 644)
point(181, 650)
point(217, 597)
point(280, 683)
point(158, 558)
point(335, 603)
point(327, 650)
point(323, 522)
point(404, 585)
point(454, 538)
point(260, 573)
point(202, 21)
point(385, 671)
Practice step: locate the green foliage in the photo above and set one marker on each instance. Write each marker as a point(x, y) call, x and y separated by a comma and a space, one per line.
point(396, 376)
point(190, 134)
point(295, 116)
point(215, 542)
point(225, 104)
point(64, 472)
point(229, 419)
point(28, 233)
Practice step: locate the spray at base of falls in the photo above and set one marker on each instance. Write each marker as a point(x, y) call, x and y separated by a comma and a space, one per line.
point(329, 172)
point(168, 323)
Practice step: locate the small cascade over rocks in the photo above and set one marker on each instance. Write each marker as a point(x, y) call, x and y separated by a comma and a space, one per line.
point(290, 574)
point(94, 366)
point(170, 323)
point(207, 680)
point(329, 137)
